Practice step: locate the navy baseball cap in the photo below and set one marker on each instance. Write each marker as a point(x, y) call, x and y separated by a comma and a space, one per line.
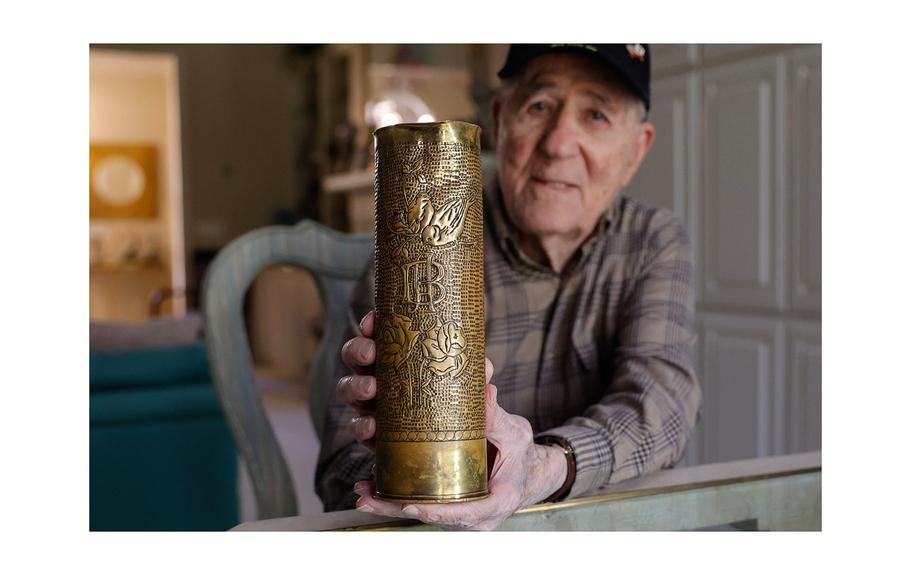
point(632, 61)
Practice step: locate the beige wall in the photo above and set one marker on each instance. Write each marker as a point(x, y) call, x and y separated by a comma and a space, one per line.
point(240, 104)
point(132, 100)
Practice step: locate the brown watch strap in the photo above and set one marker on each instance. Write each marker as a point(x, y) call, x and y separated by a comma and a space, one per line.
point(562, 492)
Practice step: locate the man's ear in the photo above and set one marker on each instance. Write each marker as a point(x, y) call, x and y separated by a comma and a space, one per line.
point(644, 140)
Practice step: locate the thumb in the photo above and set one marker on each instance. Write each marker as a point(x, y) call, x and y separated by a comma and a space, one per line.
point(494, 417)
point(488, 369)
point(367, 323)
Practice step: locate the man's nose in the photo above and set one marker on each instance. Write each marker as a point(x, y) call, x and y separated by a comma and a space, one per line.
point(561, 137)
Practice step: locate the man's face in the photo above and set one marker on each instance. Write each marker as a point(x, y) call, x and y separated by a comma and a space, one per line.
point(567, 141)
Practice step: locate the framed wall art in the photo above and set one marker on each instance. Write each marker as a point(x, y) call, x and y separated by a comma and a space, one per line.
point(123, 181)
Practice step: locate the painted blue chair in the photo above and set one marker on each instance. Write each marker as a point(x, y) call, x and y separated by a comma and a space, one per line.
point(335, 260)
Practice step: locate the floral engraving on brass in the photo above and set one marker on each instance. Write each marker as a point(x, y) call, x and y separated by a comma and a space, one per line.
point(397, 339)
point(445, 349)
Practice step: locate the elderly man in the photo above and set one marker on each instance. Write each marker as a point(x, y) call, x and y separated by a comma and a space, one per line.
point(589, 301)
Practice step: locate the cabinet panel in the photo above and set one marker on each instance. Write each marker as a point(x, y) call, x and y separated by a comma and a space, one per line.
point(722, 52)
point(667, 58)
point(804, 387)
point(665, 176)
point(740, 214)
point(741, 371)
point(806, 182)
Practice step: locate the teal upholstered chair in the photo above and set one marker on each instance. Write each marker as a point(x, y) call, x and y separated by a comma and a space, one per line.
point(335, 260)
point(161, 456)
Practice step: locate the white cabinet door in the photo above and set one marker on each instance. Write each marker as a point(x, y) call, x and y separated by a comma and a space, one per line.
point(713, 53)
point(740, 210)
point(804, 387)
point(806, 180)
point(666, 175)
point(742, 370)
point(738, 156)
point(667, 58)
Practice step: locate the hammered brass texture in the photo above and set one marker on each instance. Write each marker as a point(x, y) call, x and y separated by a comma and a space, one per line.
point(429, 326)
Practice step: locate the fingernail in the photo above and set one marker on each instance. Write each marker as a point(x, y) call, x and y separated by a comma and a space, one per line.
point(358, 427)
point(364, 385)
point(411, 511)
point(363, 507)
point(353, 426)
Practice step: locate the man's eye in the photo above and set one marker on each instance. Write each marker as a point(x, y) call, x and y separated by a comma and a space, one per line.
point(599, 116)
point(537, 106)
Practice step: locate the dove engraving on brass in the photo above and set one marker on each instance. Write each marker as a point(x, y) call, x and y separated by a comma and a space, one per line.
point(436, 227)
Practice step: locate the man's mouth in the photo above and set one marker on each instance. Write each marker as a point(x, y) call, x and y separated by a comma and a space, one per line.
point(553, 183)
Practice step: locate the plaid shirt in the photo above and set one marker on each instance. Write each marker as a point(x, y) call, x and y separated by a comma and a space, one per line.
point(600, 354)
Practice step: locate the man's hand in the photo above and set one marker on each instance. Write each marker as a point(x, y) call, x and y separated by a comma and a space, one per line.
point(523, 472)
point(359, 390)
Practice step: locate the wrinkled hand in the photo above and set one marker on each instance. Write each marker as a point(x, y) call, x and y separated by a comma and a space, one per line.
point(523, 472)
point(359, 390)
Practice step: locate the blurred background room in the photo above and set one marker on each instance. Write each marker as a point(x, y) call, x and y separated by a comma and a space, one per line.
point(194, 146)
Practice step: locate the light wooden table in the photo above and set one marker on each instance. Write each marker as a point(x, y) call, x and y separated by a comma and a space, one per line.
point(776, 493)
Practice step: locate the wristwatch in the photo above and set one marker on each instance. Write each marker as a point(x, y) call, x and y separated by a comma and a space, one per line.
point(552, 440)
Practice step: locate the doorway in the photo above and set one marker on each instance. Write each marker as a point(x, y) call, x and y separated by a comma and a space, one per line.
point(136, 227)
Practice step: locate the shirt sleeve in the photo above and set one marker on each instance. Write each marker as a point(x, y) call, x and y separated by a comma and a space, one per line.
point(343, 460)
point(650, 408)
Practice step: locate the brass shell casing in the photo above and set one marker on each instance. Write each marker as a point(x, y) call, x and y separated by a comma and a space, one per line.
point(429, 327)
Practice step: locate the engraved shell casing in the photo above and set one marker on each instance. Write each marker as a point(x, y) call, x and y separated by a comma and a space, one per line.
point(429, 327)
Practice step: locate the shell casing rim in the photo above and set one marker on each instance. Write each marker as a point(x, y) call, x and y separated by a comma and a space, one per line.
point(464, 461)
point(446, 132)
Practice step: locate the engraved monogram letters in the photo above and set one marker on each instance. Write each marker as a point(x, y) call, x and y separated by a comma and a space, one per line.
point(423, 286)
